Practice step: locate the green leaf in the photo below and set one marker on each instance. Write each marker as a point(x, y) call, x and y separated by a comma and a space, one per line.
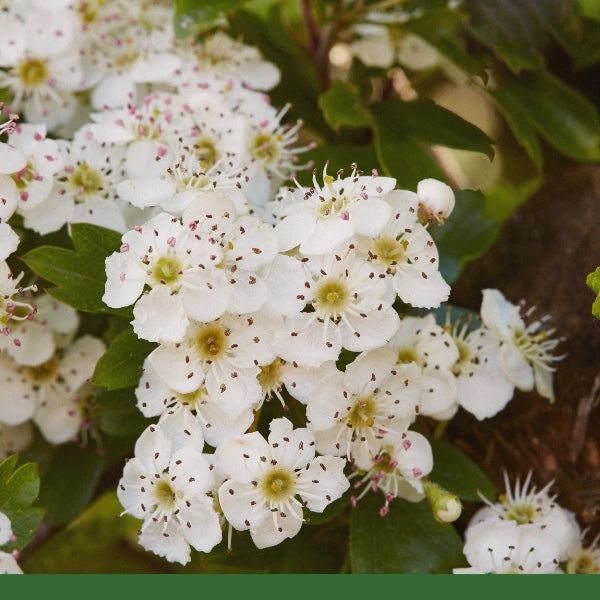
point(457, 473)
point(520, 123)
point(19, 488)
point(407, 540)
point(192, 16)
point(69, 483)
point(342, 107)
point(561, 115)
point(403, 130)
point(118, 414)
point(121, 364)
point(80, 273)
point(428, 123)
point(510, 29)
point(589, 9)
point(96, 542)
point(593, 282)
point(466, 235)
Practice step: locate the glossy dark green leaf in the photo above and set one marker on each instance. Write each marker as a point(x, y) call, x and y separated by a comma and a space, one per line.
point(19, 488)
point(457, 473)
point(407, 540)
point(69, 483)
point(428, 123)
point(341, 106)
point(510, 30)
point(118, 415)
point(80, 273)
point(520, 123)
point(192, 16)
point(562, 116)
point(466, 235)
point(443, 29)
point(121, 364)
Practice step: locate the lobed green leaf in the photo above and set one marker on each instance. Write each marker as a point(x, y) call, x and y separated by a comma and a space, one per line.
point(80, 273)
point(341, 106)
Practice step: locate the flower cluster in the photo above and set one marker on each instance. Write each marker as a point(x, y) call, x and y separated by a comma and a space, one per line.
point(250, 284)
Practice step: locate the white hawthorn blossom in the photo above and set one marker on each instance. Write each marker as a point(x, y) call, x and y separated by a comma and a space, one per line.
point(351, 307)
point(169, 488)
point(169, 274)
point(424, 343)
point(531, 510)
point(356, 413)
point(526, 351)
point(265, 478)
point(482, 388)
point(405, 253)
point(504, 547)
point(317, 219)
point(397, 470)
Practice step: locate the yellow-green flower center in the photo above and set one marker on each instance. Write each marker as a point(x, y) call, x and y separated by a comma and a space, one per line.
point(32, 73)
point(389, 251)
point(464, 356)
point(86, 180)
point(167, 270)
point(270, 375)
point(583, 563)
point(406, 356)
point(44, 372)
point(266, 147)
point(164, 494)
point(279, 485)
point(362, 413)
point(211, 341)
point(521, 513)
point(332, 297)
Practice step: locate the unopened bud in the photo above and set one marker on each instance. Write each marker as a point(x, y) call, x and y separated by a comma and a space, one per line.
point(446, 506)
point(436, 201)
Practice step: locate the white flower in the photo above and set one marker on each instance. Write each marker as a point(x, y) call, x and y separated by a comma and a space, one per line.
point(356, 413)
point(232, 59)
point(482, 388)
point(216, 417)
point(43, 65)
point(8, 563)
point(64, 395)
point(265, 478)
point(532, 510)
point(170, 490)
point(421, 341)
point(397, 470)
point(374, 46)
point(584, 559)
point(405, 252)
point(527, 348)
point(224, 354)
point(44, 161)
point(318, 219)
point(165, 257)
point(11, 309)
point(52, 326)
point(504, 547)
point(351, 308)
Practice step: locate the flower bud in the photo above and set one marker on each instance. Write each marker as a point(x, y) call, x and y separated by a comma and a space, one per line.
point(446, 506)
point(436, 200)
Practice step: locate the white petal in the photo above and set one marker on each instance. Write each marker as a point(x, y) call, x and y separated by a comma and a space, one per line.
point(125, 279)
point(159, 316)
point(517, 368)
point(326, 473)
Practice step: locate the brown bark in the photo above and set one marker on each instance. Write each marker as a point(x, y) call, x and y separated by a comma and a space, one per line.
point(543, 255)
